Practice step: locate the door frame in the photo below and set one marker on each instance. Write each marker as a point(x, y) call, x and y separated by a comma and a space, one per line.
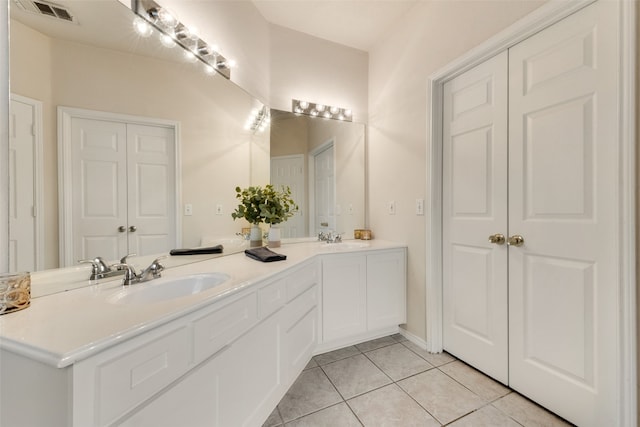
point(65, 198)
point(544, 16)
point(38, 168)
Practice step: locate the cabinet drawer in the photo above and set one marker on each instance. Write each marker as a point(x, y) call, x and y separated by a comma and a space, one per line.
point(301, 279)
point(130, 378)
point(271, 298)
point(217, 329)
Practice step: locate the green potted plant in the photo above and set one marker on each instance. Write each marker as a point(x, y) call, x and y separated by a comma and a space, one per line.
point(264, 205)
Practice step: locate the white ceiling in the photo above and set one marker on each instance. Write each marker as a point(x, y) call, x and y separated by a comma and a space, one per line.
point(355, 23)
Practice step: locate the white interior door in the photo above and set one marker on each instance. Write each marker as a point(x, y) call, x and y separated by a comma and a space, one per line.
point(99, 177)
point(123, 181)
point(474, 207)
point(289, 171)
point(564, 201)
point(151, 204)
point(324, 190)
point(25, 247)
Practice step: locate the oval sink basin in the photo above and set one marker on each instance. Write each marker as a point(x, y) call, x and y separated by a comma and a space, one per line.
point(169, 288)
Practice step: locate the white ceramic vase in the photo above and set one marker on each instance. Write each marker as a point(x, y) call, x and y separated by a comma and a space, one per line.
point(274, 236)
point(255, 237)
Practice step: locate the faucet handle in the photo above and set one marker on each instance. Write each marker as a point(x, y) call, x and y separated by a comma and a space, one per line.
point(123, 260)
point(98, 266)
point(156, 266)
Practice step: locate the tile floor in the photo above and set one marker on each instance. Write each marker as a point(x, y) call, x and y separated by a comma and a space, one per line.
point(392, 382)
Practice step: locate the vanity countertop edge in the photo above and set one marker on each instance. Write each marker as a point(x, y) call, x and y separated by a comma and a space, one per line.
point(64, 328)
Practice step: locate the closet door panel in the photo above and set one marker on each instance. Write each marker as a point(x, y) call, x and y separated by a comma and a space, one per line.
point(474, 207)
point(563, 151)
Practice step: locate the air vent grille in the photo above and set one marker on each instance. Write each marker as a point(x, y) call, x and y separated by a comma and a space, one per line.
point(46, 8)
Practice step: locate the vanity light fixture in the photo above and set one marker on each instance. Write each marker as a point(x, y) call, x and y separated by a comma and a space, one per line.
point(258, 120)
point(321, 110)
point(173, 32)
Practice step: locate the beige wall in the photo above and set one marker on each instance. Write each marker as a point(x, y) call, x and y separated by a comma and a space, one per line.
point(308, 68)
point(215, 149)
point(427, 38)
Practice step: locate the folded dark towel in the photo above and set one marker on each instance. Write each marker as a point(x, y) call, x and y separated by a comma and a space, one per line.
point(197, 251)
point(264, 255)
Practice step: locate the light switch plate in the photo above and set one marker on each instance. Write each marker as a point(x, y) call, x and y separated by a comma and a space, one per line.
point(188, 209)
point(419, 206)
point(391, 207)
point(218, 209)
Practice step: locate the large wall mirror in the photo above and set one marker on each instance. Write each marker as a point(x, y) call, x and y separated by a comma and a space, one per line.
point(99, 64)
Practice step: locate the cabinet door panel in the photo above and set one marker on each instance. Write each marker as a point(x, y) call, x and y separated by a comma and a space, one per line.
point(343, 296)
point(386, 289)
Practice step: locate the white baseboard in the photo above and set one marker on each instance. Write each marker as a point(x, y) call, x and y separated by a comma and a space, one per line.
point(413, 338)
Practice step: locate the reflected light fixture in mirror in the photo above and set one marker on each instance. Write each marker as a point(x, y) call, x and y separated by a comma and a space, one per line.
point(321, 110)
point(258, 120)
point(175, 32)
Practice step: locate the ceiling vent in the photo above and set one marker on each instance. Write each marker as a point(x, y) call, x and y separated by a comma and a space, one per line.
point(46, 8)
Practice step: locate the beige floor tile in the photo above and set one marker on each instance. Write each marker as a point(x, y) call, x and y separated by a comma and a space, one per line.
point(333, 356)
point(443, 397)
point(312, 364)
point(311, 392)
point(377, 343)
point(274, 419)
point(487, 416)
point(389, 406)
point(436, 359)
point(398, 362)
point(355, 375)
point(335, 416)
point(399, 337)
point(474, 380)
point(527, 413)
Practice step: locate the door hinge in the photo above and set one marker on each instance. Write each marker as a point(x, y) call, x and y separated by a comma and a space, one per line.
point(34, 212)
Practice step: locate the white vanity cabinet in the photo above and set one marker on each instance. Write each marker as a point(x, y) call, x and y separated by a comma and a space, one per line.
point(363, 296)
point(227, 364)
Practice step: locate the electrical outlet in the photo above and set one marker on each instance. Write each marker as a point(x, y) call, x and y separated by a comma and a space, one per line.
point(188, 209)
point(350, 209)
point(218, 209)
point(391, 207)
point(419, 206)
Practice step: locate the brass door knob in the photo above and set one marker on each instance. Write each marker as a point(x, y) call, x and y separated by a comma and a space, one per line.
point(122, 229)
point(133, 228)
point(515, 240)
point(497, 239)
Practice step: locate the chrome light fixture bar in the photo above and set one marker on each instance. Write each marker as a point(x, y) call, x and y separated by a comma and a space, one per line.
point(175, 31)
point(321, 110)
point(258, 120)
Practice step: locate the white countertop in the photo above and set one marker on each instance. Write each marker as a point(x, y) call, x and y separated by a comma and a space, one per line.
point(63, 328)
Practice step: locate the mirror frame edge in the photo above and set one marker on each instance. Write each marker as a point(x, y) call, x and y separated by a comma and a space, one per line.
point(4, 137)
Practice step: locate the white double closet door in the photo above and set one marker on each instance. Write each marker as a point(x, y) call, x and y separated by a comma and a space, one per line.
point(123, 188)
point(530, 150)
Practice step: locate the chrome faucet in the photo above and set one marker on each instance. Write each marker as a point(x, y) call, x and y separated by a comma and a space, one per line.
point(100, 270)
point(330, 237)
point(130, 276)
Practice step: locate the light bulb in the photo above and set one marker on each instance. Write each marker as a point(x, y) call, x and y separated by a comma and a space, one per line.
point(320, 107)
point(208, 69)
point(298, 110)
point(167, 18)
point(142, 27)
point(189, 56)
point(334, 110)
point(314, 113)
point(348, 113)
point(167, 41)
point(231, 63)
point(327, 114)
point(340, 117)
point(303, 104)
